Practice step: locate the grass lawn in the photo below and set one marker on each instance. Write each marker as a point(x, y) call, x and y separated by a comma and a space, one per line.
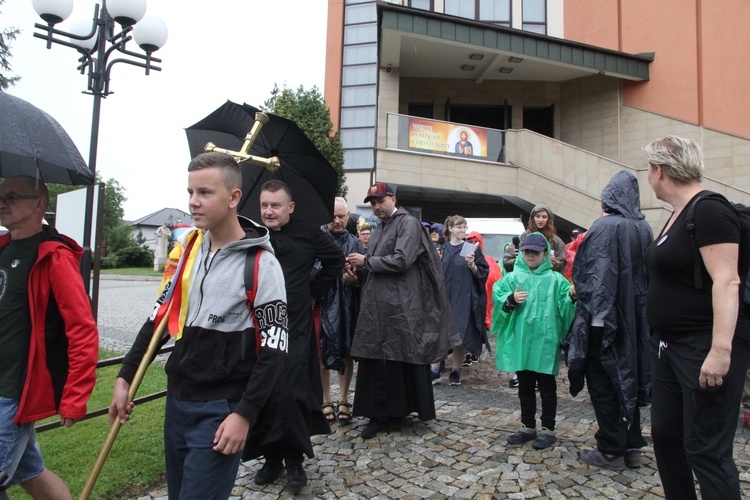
point(137, 457)
point(133, 271)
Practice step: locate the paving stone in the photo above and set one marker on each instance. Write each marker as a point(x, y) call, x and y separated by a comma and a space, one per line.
point(464, 454)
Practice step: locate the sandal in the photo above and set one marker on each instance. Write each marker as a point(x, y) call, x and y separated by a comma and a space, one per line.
point(329, 412)
point(344, 415)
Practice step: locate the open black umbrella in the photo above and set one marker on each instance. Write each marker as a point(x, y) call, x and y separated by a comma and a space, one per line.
point(32, 143)
point(310, 176)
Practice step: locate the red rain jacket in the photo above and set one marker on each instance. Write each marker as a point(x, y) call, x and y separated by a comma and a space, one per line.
point(61, 369)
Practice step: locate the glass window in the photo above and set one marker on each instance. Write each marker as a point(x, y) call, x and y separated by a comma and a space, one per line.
point(358, 138)
point(359, 159)
point(356, 14)
point(497, 11)
point(358, 96)
point(534, 11)
point(348, 2)
point(358, 117)
point(421, 4)
point(535, 16)
point(461, 8)
point(359, 75)
point(360, 54)
point(362, 33)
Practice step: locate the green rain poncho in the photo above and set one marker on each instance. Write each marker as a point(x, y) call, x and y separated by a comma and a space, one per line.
point(529, 336)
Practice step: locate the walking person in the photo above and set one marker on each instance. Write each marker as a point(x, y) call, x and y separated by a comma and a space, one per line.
point(465, 275)
point(700, 344)
point(293, 411)
point(227, 352)
point(50, 344)
point(338, 318)
point(608, 341)
point(406, 322)
point(533, 310)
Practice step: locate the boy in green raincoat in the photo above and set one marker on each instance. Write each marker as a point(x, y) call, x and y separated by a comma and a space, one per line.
point(533, 309)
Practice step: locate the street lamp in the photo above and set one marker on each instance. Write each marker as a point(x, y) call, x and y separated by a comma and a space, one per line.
point(113, 26)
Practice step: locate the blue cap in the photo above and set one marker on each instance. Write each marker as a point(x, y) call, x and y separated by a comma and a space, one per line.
point(534, 241)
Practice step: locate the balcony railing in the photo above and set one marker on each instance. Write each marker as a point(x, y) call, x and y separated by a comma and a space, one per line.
point(423, 135)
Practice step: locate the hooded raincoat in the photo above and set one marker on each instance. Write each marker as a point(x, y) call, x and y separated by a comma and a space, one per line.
point(529, 334)
point(494, 275)
point(557, 245)
point(338, 314)
point(611, 281)
point(407, 316)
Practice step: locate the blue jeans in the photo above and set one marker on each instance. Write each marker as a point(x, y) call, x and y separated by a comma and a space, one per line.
point(194, 469)
point(20, 458)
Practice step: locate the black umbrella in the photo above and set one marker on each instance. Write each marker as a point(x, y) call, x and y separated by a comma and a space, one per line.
point(32, 143)
point(311, 178)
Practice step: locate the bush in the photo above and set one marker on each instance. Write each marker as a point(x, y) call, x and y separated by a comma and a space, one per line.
point(134, 256)
point(108, 262)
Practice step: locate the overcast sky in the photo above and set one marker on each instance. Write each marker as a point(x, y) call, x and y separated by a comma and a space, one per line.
point(217, 50)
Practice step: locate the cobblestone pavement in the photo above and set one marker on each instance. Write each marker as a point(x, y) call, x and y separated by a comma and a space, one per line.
point(463, 454)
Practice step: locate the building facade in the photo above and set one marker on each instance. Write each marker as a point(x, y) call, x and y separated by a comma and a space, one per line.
point(552, 97)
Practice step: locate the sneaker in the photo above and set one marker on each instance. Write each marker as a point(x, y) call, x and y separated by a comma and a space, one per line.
point(372, 428)
point(467, 360)
point(544, 439)
point(269, 472)
point(524, 434)
point(436, 378)
point(454, 379)
point(474, 360)
point(599, 459)
point(295, 475)
point(633, 458)
point(513, 383)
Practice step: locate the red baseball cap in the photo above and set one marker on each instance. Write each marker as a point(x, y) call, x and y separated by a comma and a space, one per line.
point(379, 190)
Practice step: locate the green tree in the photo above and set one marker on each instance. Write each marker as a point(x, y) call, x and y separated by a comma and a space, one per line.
point(308, 109)
point(7, 35)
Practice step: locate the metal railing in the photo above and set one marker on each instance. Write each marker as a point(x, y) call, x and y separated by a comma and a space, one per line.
point(104, 411)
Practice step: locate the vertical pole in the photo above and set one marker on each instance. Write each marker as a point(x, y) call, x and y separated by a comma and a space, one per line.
point(89, 213)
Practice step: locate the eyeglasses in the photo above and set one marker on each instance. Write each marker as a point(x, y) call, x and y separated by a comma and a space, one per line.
point(10, 198)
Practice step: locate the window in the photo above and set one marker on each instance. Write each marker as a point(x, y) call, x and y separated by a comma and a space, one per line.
point(495, 11)
point(360, 54)
point(535, 16)
point(358, 138)
point(359, 159)
point(357, 14)
point(421, 4)
point(362, 33)
point(359, 75)
point(461, 8)
point(358, 96)
point(358, 117)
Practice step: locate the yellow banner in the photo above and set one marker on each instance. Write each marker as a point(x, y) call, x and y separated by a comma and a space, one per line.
point(447, 138)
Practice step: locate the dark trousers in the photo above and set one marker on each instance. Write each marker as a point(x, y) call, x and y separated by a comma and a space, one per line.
point(614, 436)
point(693, 428)
point(527, 381)
point(194, 469)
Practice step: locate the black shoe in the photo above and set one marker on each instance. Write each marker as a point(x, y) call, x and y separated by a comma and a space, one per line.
point(454, 379)
point(269, 472)
point(523, 435)
point(436, 378)
point(295, 475)
point(372, 428)
point(513, 381)
point(467, 360)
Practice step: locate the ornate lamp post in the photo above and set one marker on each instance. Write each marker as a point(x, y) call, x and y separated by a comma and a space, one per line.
point(113, 26)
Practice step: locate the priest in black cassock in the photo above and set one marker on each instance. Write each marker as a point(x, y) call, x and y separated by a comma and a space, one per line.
point(293, 411)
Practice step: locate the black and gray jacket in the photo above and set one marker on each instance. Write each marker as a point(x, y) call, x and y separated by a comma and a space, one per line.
point(220, 355)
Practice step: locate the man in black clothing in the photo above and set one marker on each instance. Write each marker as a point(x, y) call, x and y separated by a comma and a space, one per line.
point(293, 411)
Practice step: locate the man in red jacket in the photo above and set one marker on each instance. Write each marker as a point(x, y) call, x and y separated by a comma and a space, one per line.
point(49, 337)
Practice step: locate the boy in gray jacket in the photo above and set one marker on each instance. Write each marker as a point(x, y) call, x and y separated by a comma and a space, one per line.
point(228, 351)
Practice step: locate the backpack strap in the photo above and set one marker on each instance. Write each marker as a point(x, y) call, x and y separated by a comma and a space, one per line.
point(252, 261)
point(690, 224)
